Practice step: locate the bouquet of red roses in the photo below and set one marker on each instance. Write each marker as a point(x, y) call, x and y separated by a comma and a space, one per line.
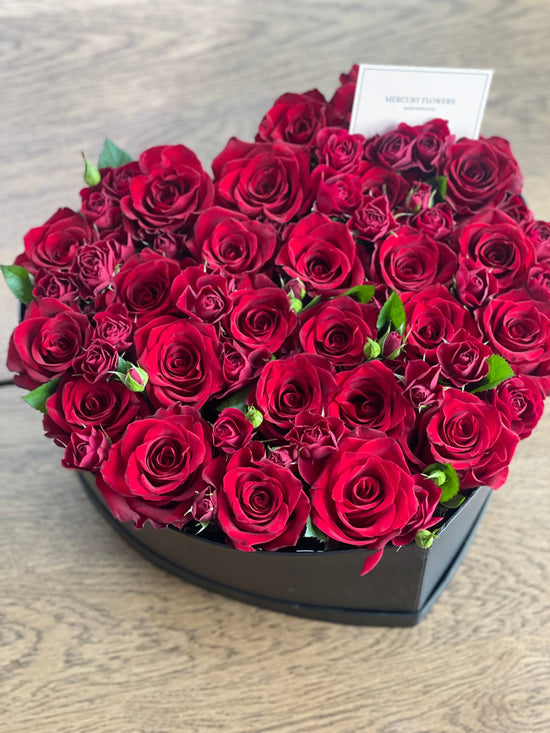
point(331, 337)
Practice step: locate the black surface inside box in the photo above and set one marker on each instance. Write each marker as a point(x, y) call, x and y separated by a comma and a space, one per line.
point(327, 586)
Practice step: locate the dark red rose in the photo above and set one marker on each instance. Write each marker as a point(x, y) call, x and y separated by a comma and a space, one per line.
point(365, 494)
point(47, 342)
point(261, 505)
point(468, 433)
point(516, 208)
point(98, 361)
point(169, 244)
point(338, 330)
point(100, 208)
point(261, 318)
point(295, 118)
point(538, 284)
point(520, 402)
point(240, 365)
point(87, 449)
point(263, 180)
point(205, 506)
point(428, 496)
point(393, 149)
point(154, 471)
point(432, 317)
point(539, 234)
point(408, 260)
point(463, 358)
point(232, 243)
point(496, 242)
point(421, 383)
point(313, 438)
point(231, 431)
point(322, 254)
point(480, 173)
point(371, 396)
point(379, 181)
point(436, 222)
point(169, 193)
point(430, 141)
point(181, 358)
point(54, 245)
point(519, 331)
point(419, 198)
point(336, 193)
point(108, 406)
point(474, 284)
point(115, 326)
point(144, 283)
point(286, 387)
point(117, 180)
point(61, 286)
point(200, 294)
point(372, 218)
point(94, 267)
point(339, 150)
point(342, 101)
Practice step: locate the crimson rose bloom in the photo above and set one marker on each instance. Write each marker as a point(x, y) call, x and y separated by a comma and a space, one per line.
point(288, 386)
point(263, 180)
point(47, 342)
point(338, 329)
point(480, 173)
point(231, 431)
point(115, 326)
point(181, 358)
point(428, 496)
point(371, 396)
point(295, 118)
point(408, 260)
point(520, 402)
point(261, 505)
point(87, 449)
point(365, 494)
point(338, 149)
point(322, 254)
point(200, 294)
point(261, 318)
point(170, 191)
point(463, 359)
point(232, 243)
point(99, 207)
point(372, 218)
point(468, 433)
point(312, 439)
point(154, 471)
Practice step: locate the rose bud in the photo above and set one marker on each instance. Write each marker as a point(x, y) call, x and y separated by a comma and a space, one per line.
point(232, 430)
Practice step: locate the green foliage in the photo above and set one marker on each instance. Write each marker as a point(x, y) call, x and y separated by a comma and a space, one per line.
point(499, 370)
point(37, 398)
point(112, 156)
point(444, 476)
point(19, 281)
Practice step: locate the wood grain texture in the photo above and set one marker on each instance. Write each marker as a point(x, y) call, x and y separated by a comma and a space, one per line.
point(93, 639)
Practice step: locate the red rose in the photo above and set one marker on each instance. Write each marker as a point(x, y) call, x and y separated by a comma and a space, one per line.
point(468, 433)
point(115, 326)
point(371, 396)
point(87, 449)
point(313, 438)
point(429, 144)
point(260, 505)
point(98, 361)
point(336, 193)
point(47, 342)
point(372, 218)
point(428, 496)
point(154, 471)
point(117, 180)
point(408, 260)
point(108, 406)
point(463, 358)
point(474, 284)
point(170, 191)
point(100, 208)
point(520, 402)
point(342, 101)
point(144, 284)
point(231, 431)
point(286, 387)
point(538, 285)
point(393, 149)
point(94, 267)
point(201, 294)
point(339, 150)
point(239, 365)
point(436, 222)
point(263, 180)
point(422, 386)
point(338, 330)
point(322, 254)
point(61, 286)
point(261, 318)
point(54, 245)
point(480, 173)
point(295, 118)
point(230, 242)
point(494, 241)
point(538, 233)
point(379, 181)
point(432, 318)
point(365, 494)
point(181, 358)
point(519, 331)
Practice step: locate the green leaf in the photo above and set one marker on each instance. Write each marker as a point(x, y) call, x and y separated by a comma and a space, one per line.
point(453, 503)
point(91, 174)
point(440, 185)
point(112, 156)
point(444, 476)
point(314, 532)
point(37, 398)
point(19, 281)
point(363, 293)
point(392, 314)
point(499, 370)
point(237, 399)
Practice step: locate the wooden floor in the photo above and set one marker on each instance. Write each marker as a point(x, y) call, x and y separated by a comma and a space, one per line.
point(93, 639)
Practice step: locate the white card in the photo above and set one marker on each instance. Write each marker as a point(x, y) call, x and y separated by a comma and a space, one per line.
point(388, 95)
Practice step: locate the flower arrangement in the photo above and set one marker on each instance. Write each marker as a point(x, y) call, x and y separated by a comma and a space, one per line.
point(330, 340)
